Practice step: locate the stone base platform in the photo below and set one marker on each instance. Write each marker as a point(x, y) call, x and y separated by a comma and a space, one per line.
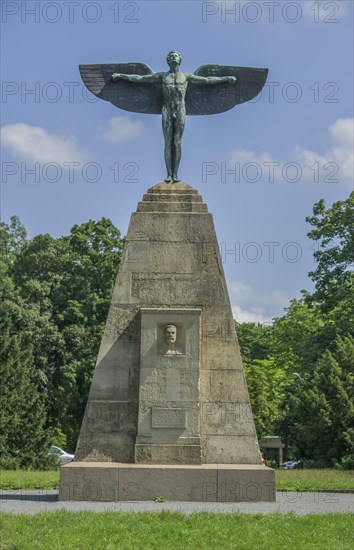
point(114, 482)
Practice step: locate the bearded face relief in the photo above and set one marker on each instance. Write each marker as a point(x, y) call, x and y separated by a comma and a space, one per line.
point(170, 340)
point(170, 333)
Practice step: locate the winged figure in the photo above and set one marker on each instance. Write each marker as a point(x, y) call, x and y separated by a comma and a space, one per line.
point(209, 90)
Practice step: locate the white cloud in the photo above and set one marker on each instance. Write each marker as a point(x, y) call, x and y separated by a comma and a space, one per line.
point(36, 144)
point(341, 152)
point(244, 294)
point(120, 129)
point(252, 315)
point(262, 166)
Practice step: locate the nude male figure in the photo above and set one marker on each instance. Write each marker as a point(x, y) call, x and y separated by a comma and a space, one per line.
point(174, 87)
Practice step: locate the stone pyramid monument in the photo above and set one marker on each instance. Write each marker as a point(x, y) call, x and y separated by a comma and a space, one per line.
point(168, 412)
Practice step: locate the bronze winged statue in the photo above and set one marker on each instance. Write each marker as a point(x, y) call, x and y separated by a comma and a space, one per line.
point(209, 90)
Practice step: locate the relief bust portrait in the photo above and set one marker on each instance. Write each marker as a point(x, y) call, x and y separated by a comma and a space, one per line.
point(170, 340)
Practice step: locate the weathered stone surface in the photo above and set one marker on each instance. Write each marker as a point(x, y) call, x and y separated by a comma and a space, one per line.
point(172, 197)
point(231, 449)
point(226, 386)
point(96, 481)
point(218, 328)
point(181, 483)
point(172, 226)
point(245, 484)
point(229, 352)
point(233, 418)
point(123, 325)
point(171, 272)
point(172, 207)
point(105, 447)
point(201, 483)
point(169, 386)
point(165, 257)
point(182, 199)
point(168, 454)
point(175, 290)
point(180, 188)
point(168, 418)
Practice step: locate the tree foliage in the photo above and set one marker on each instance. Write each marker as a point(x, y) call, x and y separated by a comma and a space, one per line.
point(300, 370)
point(64, 286)
point(24, 437)
point(318, 412)
point(333, 231)
point(265, 379)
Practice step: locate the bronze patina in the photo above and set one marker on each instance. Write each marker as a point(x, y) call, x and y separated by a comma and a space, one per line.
point(209, 90)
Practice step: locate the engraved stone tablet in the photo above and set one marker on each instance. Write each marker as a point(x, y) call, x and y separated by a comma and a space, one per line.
point(168, 418)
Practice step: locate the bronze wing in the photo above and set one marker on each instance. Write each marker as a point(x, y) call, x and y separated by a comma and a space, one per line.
point(138, 97)
point(209, 99)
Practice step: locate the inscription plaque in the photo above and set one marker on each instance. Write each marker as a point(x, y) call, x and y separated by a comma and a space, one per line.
point(168, 418)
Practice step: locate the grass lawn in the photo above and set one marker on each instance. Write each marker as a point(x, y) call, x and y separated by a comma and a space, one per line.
point(28, 479)
point(290, 480)
point(174, 531)
point(313, 480)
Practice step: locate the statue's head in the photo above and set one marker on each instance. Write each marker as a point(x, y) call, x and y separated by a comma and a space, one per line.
point(170, 334)
point(174, 58)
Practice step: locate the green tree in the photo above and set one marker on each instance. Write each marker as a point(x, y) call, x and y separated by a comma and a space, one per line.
point(265, 380)
point(301, 336)
point(265, 383)
point(254, 340)
point(24, 438)
point(12, 237)
point(318, 413)
point(295, 368)
point(69, 282)
point(333, 230)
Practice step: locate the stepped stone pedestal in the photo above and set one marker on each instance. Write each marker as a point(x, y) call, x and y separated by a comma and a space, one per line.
point(168, 411)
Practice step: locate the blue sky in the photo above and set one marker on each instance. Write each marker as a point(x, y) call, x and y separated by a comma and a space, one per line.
point(289, 148)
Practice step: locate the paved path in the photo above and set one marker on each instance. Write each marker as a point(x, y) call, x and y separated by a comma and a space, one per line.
point(34, 501)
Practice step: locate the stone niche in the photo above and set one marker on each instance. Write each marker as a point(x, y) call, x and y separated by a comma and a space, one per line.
point(169, 411)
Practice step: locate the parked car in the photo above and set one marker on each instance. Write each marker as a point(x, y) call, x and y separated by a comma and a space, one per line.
point(290, 464)
point(62, 456)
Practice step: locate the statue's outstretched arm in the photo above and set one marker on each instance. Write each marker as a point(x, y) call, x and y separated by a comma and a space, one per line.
point(194, 79)
point(148, 78)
